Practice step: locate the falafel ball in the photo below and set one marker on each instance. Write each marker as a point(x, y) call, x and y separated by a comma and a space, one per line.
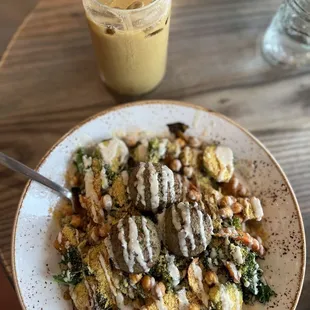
point(186, 229)
point(133, 244)
point(153, 187)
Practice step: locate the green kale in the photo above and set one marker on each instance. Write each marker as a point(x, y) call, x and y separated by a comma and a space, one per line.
point(161, 273)
point(74, 267)
point(250, 273)
point(176, 128)
point(253, 287)
point(78, 160)
point(111, 175)
point(103, 302)
point(264, 293)
point(236, 223)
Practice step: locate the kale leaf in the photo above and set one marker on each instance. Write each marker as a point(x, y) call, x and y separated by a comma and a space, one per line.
point(176, 128)
point(74, 267)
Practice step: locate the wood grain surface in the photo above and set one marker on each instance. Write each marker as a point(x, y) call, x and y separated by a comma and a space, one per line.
point(49, 82)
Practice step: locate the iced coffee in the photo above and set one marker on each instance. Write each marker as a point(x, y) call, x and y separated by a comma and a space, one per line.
point(130, 39)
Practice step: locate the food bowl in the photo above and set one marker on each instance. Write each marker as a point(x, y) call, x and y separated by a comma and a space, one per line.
point(35, 260)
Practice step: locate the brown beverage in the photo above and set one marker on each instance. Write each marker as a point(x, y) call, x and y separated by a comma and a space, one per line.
point(130, 39)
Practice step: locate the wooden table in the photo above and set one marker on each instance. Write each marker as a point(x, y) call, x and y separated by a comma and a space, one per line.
point(49, 82)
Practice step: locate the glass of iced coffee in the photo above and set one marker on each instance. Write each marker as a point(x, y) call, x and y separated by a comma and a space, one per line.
point(130, 39)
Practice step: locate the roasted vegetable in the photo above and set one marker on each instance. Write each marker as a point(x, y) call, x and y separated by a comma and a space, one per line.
point(176, 128)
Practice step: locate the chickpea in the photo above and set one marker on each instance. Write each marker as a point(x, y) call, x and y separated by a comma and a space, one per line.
point(135, 278)
point(186, 156)
point(131, 140)
point(227, 201)
point(211, 278)
point(160, 290)
point(237, 208)
point(104, 230)
point(194, 142)
point(194, 195)
point(175, 165)
point(107, 202)
point(76, 221)
point(147, 283)
point(226, 213)
point(188, 171)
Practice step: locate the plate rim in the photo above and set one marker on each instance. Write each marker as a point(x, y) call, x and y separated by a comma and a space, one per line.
point(161, 102)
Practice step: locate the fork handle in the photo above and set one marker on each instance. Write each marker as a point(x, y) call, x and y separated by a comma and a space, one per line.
point(17, 166)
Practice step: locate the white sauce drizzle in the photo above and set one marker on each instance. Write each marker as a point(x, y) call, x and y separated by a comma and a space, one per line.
point(90, 294)
point(187, 226)
point(237, 255)
point(59, 237)
point(154, 187)
point(160, 301)
point(140, 184)
point(114, 147)
point(257, 208)
point(120, 302)
point(198, 275)
point(183, 301)
point(164, 184)
point(181, 233)
point(125, 177)
point(135, 251)
point(104, 179)
point(162, 147)
point(227, 303)
point(122, 239)
point(170, 183)
point(108, 244)
point(202, 229)
point(238, 301)
point(173, 270)
point(106, 273)
point(225, 157)
point(89, 180)
point(146, 233)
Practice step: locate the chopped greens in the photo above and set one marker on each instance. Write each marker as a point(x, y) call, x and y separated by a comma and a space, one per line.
point(160, 272)
point(73, 267)
point(264, 293)
point(102, 302)
point(78, 160)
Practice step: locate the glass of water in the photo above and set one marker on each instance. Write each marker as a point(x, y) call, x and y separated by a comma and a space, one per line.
point(287, 39)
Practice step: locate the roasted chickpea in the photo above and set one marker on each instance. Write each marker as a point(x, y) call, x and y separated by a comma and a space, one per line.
point(211, 278)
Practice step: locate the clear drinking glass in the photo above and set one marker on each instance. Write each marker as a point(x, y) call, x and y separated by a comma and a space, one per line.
point(130, 44)
point(287, 40)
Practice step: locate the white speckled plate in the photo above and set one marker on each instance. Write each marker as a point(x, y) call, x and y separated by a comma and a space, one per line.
point(35, 259)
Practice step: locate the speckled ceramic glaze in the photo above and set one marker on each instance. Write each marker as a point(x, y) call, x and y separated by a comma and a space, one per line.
point(35, 260)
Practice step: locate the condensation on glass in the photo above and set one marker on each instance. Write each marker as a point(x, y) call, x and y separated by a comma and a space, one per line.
point(287, 39)
point(130, 44)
